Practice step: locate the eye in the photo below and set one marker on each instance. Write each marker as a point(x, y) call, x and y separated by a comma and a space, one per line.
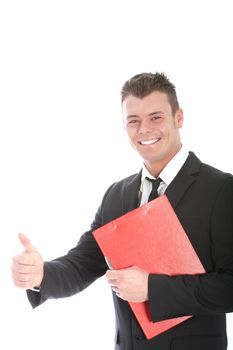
point(156, 118)
point(132, 121)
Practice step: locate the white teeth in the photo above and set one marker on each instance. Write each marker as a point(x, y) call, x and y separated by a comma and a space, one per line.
point(149, 142)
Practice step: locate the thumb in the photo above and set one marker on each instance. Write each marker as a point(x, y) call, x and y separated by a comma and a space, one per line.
point(25, 241)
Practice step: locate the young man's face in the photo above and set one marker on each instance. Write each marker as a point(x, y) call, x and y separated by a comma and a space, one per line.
point(152, 129)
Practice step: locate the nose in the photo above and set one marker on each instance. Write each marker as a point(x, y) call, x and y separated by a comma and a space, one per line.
point(145, 127)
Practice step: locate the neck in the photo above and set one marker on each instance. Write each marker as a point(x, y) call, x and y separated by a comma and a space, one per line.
point(156, 167)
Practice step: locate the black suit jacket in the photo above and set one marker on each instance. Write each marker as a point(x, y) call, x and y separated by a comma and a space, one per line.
point(202, 197)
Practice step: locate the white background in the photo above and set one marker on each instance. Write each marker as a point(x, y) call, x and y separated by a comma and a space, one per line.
point(62, 143)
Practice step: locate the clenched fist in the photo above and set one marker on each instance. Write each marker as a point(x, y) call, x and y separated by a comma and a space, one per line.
point(28, 267)
point(130, 284)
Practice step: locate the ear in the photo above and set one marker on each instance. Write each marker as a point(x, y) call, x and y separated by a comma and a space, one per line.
point(179, 118)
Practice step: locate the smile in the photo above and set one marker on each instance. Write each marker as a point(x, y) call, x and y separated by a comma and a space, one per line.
point(148, 142)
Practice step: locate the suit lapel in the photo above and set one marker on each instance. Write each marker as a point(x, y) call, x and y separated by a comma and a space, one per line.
point(183, 180)
point(175, 191)
point(131, 193)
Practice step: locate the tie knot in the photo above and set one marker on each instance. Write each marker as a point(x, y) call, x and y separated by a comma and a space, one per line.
point(155, 186)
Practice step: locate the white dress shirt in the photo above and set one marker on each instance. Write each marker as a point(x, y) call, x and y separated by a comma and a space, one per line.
point(167, 175)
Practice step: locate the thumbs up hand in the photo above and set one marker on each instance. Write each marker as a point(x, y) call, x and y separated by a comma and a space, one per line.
point(27, 267)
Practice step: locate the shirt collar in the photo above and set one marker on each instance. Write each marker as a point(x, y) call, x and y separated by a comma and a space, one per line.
point(171, 169)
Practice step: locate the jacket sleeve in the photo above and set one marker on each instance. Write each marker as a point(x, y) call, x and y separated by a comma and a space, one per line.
point(71, 273)
point(210, 293)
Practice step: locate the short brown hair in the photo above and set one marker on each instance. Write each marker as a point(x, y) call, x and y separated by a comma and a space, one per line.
point(141, 85)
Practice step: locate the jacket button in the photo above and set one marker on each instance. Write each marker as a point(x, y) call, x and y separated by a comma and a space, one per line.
point(138, 337)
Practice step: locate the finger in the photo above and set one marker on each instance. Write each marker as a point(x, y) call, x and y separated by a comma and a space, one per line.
point(22, 284)
point(23, 259)
point(24, 280)
point(26, 269)
point(114, 284)
point(112, 275)
point(25, 241)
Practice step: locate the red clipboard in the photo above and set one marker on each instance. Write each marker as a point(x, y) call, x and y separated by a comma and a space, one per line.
point(152, 238)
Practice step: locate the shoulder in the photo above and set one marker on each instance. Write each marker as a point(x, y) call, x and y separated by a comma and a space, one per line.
point(212, 181)
point(212, 174)
point(117, 195)
point(209, 171)
point(121, 185)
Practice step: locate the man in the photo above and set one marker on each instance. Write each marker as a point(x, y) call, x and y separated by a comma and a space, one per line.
point(202, 198)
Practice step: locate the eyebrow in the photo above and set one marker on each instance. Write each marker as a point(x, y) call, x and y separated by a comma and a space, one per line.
point(156, 113)
point(132, 116)
point(150, 114)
